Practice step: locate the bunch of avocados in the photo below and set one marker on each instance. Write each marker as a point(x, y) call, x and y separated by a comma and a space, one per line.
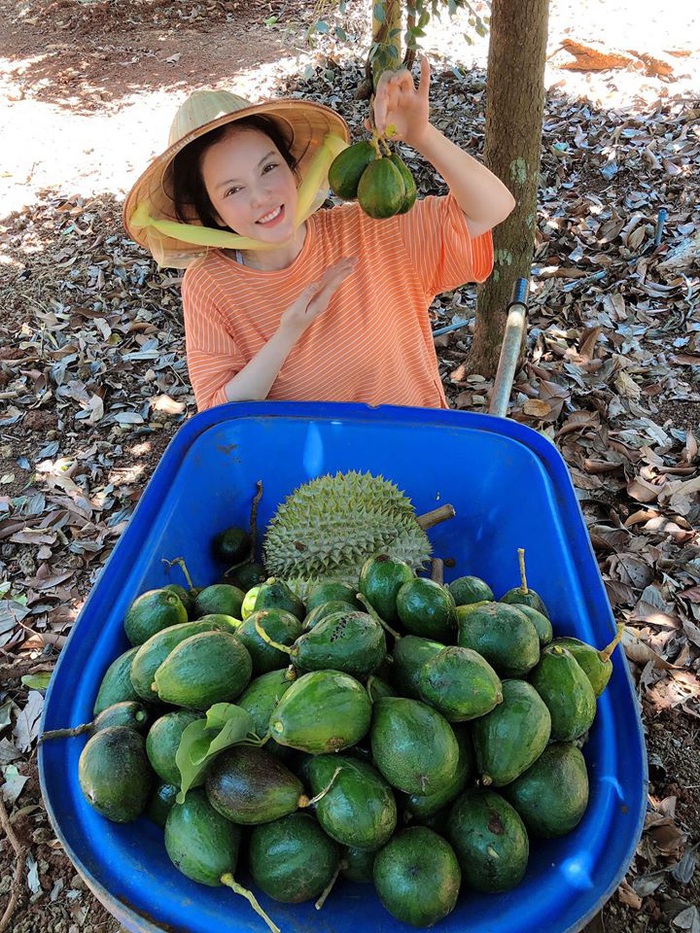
point(400, 732)
point(377, 178)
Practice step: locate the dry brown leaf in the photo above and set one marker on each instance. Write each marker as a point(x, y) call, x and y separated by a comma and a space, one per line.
point(537, 408)
point(642, 490)
point(640, 652)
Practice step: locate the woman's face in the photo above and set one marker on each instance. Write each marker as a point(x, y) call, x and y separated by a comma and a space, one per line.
point(250, 185)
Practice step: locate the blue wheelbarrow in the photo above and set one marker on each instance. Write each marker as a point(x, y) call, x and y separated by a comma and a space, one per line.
point(510, 489)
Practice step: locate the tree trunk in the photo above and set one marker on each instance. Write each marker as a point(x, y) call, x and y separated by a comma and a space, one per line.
point(514, 107)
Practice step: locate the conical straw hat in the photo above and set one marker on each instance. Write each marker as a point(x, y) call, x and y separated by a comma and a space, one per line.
point(304, 125)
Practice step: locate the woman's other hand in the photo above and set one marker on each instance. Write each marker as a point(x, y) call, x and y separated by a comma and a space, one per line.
point(315, 298)
point(400, 107)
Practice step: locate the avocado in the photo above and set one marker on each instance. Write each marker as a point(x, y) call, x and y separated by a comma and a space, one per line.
point(161, 802)
point(323, 711)
point(552, 795)
point(249, 785)
point(381, 578)
point(231, 545)
point(427, 609)
point(219, 599)
point(413, 745)
point(347, 640)
point(332, 590)
point(315, 615)
point(292, 859)
point(423, 806)
point(276, 594)
point(346, 169)
point(114, 773)
point(357, 864)
point(502, 634)
point(512, 736)
point(212, 667)
point(129, 713)
point(566, 690)
point(204, 846)
point(470, 589)
point(360, 808)
point(163, 740)
point(381, 191)
point(280, 626)
point(523, 595)
point(490, 841)
point(411, 191)
point(246, 576)
point(201, 843)
point(541, 622)
point(460, 683)
point(597, 665)
point(152, 611)
point(417, 877)
point(151, 654)
point(262, 695)
point(116, 685)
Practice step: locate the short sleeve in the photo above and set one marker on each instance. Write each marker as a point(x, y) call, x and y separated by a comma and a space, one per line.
point(443, 252)
point(212, 356)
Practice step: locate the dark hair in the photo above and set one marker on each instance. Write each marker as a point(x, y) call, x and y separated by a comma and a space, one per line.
point(189, 192)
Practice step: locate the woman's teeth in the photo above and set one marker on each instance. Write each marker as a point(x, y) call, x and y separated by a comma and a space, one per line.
point(271, 216)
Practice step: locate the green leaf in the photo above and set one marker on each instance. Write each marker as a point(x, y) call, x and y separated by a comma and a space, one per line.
point(225, 725)
point(378, 12)
point(37, 681)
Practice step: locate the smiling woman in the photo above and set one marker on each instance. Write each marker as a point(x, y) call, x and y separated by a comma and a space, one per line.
point(286, 301)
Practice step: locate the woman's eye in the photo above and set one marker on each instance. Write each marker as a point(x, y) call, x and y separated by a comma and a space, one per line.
point(270, 166)
point(231, 191)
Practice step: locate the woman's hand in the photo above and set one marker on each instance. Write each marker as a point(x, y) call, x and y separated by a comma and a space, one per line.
point(315, 298)
point(398, 103)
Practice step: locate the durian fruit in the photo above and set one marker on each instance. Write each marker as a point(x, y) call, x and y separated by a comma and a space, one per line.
point(327, 528)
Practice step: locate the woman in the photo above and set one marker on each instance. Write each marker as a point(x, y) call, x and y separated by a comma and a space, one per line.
point(285, 301)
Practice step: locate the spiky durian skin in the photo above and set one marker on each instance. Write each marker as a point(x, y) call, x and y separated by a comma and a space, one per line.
point(327, 528)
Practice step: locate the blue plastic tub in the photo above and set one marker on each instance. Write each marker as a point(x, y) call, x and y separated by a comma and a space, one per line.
point(510, 489)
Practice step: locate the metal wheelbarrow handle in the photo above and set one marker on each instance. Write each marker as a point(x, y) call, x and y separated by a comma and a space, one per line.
point(510, 350)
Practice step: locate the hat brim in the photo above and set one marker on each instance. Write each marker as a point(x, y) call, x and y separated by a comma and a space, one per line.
point(304, 125)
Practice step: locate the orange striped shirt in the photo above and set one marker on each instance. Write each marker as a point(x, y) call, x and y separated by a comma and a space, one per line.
point(373, 344)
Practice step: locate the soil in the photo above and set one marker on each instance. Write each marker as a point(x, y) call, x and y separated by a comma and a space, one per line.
point(87, 91)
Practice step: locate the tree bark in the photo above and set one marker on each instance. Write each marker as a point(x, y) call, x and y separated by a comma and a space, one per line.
point(514, 108)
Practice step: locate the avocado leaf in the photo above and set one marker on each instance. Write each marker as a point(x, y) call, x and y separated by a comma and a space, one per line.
point(225, 725)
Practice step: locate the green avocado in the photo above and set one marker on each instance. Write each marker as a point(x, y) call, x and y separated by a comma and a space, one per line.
point(490, 841)
point(114, 773)
point(417, 877)
point(513, 735)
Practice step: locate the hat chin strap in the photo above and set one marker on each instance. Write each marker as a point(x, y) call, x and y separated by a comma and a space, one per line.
point(310, 198)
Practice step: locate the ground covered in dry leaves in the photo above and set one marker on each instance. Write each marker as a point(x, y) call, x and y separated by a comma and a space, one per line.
point(93, 385)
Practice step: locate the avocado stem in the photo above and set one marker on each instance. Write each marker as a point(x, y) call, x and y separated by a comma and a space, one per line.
point(230, 882)
point(375, 615)
point(309, 802)
point(328, 888)
point(521, 561)
point(253, 524)
point(374, 142)
point(183, 566)
point(268, 641)
point(437, 570)
point(435, 516)
point(384, 145)
point(65, 733)
point(606, 652)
